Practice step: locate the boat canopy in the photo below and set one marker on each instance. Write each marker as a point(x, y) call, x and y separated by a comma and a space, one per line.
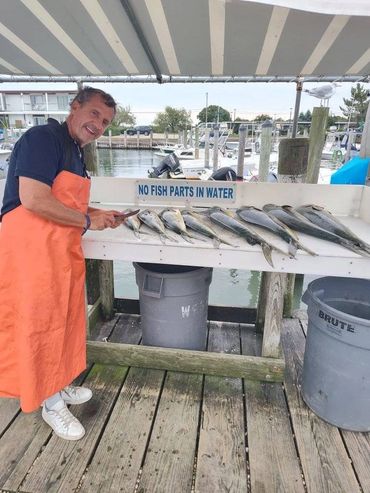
point(185, 40)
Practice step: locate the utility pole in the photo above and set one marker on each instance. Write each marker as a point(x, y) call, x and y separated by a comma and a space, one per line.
point(206, 108)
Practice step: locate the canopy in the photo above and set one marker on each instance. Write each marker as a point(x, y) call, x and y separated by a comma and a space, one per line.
point(184, 40)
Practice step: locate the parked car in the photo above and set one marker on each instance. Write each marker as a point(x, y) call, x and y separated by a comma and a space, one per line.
point(142, 129)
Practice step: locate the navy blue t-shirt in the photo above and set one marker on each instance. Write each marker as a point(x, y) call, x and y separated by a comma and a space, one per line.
point(41, 153)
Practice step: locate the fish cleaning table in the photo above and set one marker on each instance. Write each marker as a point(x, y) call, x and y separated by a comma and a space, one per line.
point(351, 204)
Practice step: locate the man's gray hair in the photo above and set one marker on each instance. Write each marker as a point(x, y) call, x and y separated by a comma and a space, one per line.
point(86, 93)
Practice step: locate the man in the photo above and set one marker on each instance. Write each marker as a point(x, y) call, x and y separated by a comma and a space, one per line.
point(42, 270)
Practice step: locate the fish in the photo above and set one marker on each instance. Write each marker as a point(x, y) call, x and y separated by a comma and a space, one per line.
point(325, 220)
point(153, 221)
point(218, 216)
point(256, 216)
point(195, 222)
point(134, 223)
point(173, 220)
point(296, 221)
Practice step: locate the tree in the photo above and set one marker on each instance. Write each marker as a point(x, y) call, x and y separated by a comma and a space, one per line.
point(236, 125)
point(124, 117)
point(334, 119)
point(355, 107)
point(214, 114)
point(262, 118)
point(172, 119)
point(305, 117)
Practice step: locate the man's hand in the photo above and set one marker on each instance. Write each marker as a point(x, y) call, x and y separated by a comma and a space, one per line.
point(102, 219)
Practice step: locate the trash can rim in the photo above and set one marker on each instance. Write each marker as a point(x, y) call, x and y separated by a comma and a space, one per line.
point(316, 299)
point(187, 273)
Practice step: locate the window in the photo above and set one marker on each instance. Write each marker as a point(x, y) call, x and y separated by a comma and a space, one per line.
point(39, 120)
point(63, 102)
point(38, 102)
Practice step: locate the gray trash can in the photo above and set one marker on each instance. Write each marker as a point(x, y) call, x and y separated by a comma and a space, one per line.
point(336, 369)
point(173, 304)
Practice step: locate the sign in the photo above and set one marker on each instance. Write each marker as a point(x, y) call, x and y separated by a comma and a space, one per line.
point(185, 191)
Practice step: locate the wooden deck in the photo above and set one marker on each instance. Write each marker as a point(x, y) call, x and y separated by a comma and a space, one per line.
point(156, 431)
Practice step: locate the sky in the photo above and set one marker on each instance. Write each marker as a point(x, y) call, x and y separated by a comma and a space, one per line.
point(243, 100)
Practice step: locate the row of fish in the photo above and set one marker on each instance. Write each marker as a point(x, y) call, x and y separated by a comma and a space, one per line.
point(283, 221)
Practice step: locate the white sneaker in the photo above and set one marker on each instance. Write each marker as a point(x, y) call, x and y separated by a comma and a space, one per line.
point(75, 395)
point(62, 421)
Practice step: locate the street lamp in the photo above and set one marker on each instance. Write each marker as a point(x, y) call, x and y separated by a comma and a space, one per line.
point(206, 108)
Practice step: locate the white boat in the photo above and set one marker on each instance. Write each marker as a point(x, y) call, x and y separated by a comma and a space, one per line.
point(196, 168)
point(163, 151)
point(335, 147)
point(4, 153)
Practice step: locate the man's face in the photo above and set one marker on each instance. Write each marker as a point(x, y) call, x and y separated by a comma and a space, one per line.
point(87, 122)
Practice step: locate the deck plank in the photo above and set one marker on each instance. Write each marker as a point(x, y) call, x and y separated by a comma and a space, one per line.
point(358, 446)
point(9, 408)
point(19, 447)
point(119, 455)
point(22, 442)
point(61, 464)
point(169, 461)
point(324, 459)
point(221, 460)
point(273, 461)
point(127, 330)
point(103, 330)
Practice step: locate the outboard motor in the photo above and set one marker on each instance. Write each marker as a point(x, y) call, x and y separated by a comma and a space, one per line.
point(223, 174)
point(169, 164)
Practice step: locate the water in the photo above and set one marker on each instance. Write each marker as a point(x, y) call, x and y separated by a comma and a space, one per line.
point(127, 163)
point(229, 287)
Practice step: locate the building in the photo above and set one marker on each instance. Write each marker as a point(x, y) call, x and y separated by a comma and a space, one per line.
point(24, 109)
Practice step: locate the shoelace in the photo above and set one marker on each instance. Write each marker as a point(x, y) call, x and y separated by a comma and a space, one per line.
point(64, 417)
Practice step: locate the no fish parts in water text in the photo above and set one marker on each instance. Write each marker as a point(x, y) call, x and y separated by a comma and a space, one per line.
point(186, 191)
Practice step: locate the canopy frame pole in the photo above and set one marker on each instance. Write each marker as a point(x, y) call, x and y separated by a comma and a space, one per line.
point(144, 42)
point(299, 86)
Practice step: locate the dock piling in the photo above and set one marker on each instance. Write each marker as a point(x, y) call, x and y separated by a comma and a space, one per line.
point(317, 141)
point(241, 152)
point(206, 148)
point(216, 133)
point(266, 139)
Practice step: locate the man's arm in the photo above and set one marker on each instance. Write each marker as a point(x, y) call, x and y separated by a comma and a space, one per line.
point(37, 197)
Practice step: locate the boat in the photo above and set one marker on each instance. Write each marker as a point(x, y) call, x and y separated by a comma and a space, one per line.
point(336, 145)
point(4, 152)
point(164, 150)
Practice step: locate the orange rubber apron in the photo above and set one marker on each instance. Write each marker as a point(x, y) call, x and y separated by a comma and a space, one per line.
point(42, 299)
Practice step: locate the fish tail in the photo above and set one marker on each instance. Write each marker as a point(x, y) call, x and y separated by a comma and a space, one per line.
point(302, 247)
point(292, 248)
point(227, 242)
point(216, 242)
point(137, 234)
point(267, 252)
point(196, 237)
point(163, 238)
point(169, 237)
point(186, 237)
